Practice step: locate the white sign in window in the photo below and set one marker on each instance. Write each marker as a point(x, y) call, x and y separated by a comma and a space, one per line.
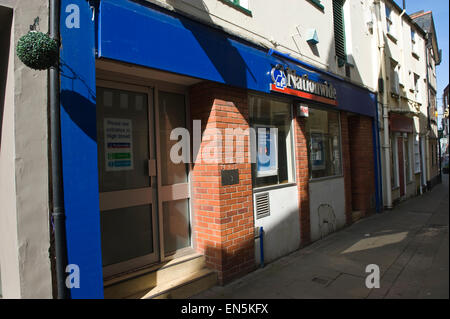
point(118, 144)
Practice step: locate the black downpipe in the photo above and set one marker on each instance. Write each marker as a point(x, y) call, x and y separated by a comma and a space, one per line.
point(58, 214)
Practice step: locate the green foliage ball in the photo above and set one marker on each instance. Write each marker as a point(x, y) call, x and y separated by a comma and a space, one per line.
point(37, 50)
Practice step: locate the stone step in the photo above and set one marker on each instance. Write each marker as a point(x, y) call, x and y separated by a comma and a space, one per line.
point(183, 287)
point(356, 215)
point(153, 277)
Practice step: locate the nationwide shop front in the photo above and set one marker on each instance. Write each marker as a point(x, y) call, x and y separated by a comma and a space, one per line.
point(180, 140)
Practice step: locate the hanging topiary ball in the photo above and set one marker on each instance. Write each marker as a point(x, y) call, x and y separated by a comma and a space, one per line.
point(37, 50)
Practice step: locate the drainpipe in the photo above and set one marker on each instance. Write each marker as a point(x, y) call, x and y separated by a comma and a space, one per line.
point(58, 214)
point(387, 153)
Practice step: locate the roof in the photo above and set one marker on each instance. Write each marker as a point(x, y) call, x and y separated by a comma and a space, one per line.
point(426, 22)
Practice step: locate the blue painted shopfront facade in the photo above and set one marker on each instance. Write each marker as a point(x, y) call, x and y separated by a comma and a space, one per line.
point(142, 34)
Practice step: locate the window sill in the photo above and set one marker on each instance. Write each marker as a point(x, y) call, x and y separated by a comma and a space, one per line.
point(317, 4)
point(392, 37)
point(271, 187)
point(237, 7)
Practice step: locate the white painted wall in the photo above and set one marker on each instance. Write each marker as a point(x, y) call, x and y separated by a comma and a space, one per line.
point(284, 25)
point(322, 195)
point(24, 196)
point(282, 226)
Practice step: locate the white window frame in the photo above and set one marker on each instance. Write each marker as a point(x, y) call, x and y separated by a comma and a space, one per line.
point(416, 145)
point(389, 21)
point(408, 158)
point(394, 77)
point(413, 41)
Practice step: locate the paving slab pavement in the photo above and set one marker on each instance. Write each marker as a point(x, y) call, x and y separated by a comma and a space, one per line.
point(409, 243)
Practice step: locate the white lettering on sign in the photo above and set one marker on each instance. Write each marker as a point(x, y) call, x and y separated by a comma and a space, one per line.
point(302, 83)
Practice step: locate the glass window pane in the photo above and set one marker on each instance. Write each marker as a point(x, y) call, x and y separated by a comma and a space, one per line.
point(324, 143)
point(176, 225)
point(126, 233)
point(172, 114)
point(273, 119)
point(122, 139)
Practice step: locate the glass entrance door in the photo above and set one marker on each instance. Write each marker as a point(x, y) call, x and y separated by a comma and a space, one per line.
point(127, 176)
point(173, 182)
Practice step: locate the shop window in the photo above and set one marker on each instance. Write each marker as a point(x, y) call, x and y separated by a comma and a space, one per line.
point(324, 143)
point(407, 155)
point(394, 163)
point(416, 154)
point(271, 121)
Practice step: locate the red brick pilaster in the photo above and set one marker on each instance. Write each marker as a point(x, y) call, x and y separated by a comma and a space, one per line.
point(346, 161)
point(362, 163)
point(302, 175)
point(223, 215)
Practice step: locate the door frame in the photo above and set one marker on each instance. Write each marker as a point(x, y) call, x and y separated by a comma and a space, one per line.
point(179, 191)
point(152, 88)
point(401, 165)
point(138, 196)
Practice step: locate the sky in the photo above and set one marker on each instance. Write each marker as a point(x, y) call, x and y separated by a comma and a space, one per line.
point(441, 17)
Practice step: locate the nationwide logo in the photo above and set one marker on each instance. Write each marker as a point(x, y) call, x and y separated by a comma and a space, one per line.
point(279, 78)
point(287, 81)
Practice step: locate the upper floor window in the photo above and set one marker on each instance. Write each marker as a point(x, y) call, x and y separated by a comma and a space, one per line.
point(389, 24)
point(339, 31)
point(242, 5)
point(394, 78)
point(413, 41)
point(416, 86)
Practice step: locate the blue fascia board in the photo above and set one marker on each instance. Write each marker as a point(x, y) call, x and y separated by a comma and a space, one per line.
point(79, 150)
point(153, 37)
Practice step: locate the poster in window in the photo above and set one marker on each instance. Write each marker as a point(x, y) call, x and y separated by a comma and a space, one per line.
point(317, 151)
point(267, 155)
point(118, 144)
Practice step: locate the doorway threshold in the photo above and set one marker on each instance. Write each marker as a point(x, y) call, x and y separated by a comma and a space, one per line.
point(176, 277)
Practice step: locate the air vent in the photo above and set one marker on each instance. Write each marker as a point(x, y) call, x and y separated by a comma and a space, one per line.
point(262, 205)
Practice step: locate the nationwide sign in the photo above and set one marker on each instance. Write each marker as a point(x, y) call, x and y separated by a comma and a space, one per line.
point(301, 86)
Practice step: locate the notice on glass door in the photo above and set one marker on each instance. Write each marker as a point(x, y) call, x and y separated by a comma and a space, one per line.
point(118, 144)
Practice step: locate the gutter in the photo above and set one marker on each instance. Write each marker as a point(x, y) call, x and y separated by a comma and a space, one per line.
point(58, 214)
point(386, 148)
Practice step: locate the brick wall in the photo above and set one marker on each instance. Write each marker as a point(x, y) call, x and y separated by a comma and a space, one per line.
point(223, 225)
point(302, 175)
point(346, 166)
point(362, 163)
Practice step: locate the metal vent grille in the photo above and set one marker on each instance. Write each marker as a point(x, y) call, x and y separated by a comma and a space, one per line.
point(262, 205)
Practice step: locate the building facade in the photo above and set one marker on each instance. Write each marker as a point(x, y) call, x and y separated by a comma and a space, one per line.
point(433, 59)
point(403, 97)
point(190, 127)
point(445, 125)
